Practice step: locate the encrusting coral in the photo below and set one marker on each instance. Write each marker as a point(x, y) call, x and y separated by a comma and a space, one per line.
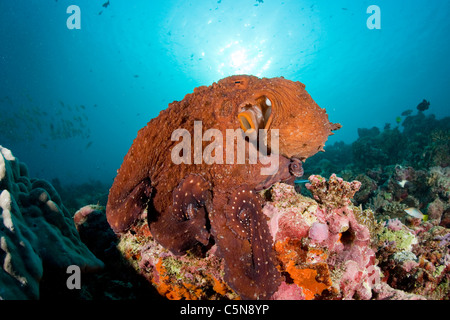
point(37, 234)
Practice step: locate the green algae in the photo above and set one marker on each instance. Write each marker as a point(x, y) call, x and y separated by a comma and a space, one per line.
point(403, 239)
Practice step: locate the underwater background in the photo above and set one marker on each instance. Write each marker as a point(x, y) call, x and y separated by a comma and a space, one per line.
point(73, 99)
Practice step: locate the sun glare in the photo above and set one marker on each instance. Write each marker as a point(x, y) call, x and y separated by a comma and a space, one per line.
point(237, 57)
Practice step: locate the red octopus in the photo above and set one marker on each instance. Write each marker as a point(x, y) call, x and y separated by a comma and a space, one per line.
point(195, 203)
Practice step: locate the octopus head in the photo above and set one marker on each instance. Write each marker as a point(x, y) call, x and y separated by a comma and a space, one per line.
point(277, 103)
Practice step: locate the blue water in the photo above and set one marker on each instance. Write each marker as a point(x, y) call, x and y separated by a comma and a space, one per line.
point(72, 100)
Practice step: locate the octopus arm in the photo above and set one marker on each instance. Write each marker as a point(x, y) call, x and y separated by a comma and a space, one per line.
point(245, 243)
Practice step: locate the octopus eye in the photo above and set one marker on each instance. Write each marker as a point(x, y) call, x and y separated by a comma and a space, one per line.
point(250, 119)
point(258, 116)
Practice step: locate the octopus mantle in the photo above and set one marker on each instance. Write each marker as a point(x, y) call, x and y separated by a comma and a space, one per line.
point(195, 205)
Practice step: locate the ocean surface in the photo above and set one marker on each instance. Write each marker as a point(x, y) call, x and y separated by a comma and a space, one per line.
point(77, 84)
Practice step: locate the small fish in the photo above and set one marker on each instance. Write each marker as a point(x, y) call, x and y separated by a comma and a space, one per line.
point(301, 181)
point(89, 144)
point(106, 4)
point(424, 105)
point(407, 112)
point(402, 183)
point(416, 213)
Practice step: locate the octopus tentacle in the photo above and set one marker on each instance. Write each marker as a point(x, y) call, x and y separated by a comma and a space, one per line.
point(185, 223)
point(122, 212)
point(252, 272)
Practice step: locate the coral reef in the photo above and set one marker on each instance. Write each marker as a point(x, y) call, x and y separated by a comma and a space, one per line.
point(415, 259)
point(194, 276)
point(215, 199)
point(324, 249)
point(420, 141)
point(118, 280)
point(335, 239)
point(37, 234)
point(379, 148)
point(412, 177)
point(413, 252)
point(398, 169)
point(401, 188)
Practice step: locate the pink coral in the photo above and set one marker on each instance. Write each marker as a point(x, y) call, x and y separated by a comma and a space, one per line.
point(318, 232)
point(274, 215)
point(288, 292)
point(355, 279)
point(436, 209)
point(395, 224)
point(81, 215)
point(331, 236)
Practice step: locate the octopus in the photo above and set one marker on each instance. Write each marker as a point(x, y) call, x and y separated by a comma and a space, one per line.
point(193, 205)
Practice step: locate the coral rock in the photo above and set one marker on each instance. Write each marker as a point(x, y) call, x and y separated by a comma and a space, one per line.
point(333, 255)
point(335, 192)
